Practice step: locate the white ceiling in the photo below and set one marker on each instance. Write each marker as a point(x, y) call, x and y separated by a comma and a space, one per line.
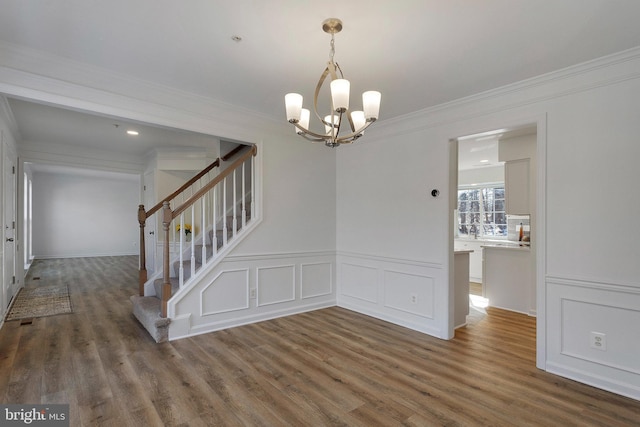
point(481, 150)
point(418, 53)
point(40, 123)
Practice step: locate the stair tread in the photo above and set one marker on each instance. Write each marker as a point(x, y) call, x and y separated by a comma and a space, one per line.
point(147, 311)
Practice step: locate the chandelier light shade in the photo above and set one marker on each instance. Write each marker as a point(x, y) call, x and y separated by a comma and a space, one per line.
point(340, 118)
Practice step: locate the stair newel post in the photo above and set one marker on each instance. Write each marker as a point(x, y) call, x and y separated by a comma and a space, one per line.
point(167, 217)
point(142, 275)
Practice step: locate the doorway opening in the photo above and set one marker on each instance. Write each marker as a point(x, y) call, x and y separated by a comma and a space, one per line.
point(494, 204)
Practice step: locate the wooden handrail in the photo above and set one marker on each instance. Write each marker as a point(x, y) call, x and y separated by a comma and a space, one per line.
point(190, 201)
point(169, 215)
point(200, 174)
point(144, 214)
point(186, 185)
point(233, 152)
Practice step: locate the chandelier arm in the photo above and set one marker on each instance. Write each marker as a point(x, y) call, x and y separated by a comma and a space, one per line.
point(351, 125)
point(314, 140)
point(317, 92)
point(320, 137)
point(354, 135)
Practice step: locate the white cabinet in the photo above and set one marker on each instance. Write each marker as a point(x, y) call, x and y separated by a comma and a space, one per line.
point(461, 288)
point(508, 280)
point(475, 257)
point(516, 186)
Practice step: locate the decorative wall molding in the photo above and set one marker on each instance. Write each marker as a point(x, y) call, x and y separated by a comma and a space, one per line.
point(611, 69)
point(276, 281)
point(228, 292)
point(311, 274)
point(580, 308)
point(396, 291)
point(275, 284)
point(390, 259)
point(7, 114)
point(605, 285)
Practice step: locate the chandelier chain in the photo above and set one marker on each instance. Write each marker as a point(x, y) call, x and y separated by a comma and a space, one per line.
point(332, 51)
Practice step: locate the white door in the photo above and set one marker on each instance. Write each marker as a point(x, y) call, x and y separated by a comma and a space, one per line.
point(149, 200)
point(9, 279)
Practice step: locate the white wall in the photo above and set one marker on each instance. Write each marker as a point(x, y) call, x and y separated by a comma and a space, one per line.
point(588, 274)
point(79, 215)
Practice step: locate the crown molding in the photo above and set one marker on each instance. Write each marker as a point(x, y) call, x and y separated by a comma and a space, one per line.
point(607, 70)
point(81, 157)
point(35, 75)
point(7, 114)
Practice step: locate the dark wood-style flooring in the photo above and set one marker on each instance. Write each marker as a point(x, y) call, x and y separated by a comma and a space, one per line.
point(328, 367)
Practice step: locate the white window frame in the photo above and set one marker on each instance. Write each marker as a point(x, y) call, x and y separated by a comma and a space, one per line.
point(480, 226)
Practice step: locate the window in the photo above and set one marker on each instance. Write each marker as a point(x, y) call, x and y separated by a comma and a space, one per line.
point(481, 211)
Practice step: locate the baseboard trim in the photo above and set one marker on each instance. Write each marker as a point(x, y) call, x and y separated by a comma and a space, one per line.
point(179, 323)
point(624, 389)
point(435, 332)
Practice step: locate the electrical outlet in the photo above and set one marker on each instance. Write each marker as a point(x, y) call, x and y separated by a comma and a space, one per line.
point(598, 341)
point(252, 293)
point(414, 298)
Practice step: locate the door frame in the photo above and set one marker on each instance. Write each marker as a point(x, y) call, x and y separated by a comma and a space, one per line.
point(9, 196)
point(540, 121)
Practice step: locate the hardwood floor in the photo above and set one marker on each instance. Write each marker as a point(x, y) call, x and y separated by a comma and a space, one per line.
point(475, 288)
point(327, 367)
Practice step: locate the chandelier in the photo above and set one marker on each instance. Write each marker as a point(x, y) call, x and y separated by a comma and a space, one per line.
point(357, 121)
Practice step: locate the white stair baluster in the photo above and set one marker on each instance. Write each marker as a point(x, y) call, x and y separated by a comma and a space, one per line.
point(253, 186)
point(214, 208)
point(180, 248)
point(193, 240)
point(224, 211)
point(235, 215)
point(203, 227)
point(243, 195)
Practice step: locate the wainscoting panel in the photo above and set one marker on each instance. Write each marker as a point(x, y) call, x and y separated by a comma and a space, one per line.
point(252, 288)
point(360, 282)
point(276, 284)
point(398, 291)
point(315, 280)
point(596, 340)
point(412, 293)
point(228, 292)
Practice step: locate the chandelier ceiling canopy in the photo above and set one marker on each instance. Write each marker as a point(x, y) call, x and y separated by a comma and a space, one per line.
point(340, 118)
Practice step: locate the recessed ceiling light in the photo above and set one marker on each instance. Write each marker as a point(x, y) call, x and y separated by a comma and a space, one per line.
point(133, 132)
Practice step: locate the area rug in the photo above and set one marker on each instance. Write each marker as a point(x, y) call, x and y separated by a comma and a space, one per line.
point(40, 302)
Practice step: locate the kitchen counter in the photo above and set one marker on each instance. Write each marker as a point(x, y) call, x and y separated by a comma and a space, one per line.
point(507, 277)
point(507, 245)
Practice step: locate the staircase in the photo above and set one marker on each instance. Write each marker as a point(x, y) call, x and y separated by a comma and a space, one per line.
point(218, 211)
